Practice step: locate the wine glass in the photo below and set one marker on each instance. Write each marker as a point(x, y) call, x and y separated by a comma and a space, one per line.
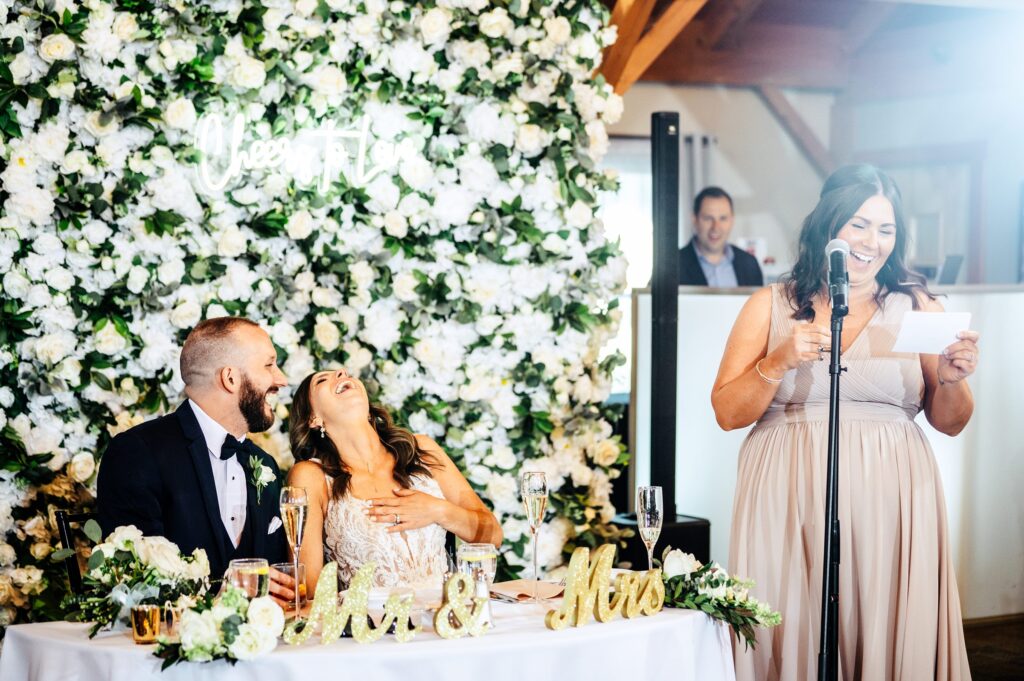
point(293, 514)
point(649, 512)
point(533, 488)
point(251, 575)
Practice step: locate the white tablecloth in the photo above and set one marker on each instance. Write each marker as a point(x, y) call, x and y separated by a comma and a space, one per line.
point(674, 644)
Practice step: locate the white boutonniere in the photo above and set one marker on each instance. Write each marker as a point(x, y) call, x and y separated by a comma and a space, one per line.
point(261, 475)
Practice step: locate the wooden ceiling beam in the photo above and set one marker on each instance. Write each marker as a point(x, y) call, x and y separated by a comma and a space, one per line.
point(665, 30)
point(630, 17)
point(794, 124)
point(783, 56)
point(727, 19)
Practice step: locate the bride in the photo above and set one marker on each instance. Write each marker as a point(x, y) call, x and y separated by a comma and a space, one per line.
point(376, 492)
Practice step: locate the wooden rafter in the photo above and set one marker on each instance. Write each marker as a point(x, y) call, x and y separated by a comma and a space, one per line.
point(726, 20)
point(793, 122)
point(671, 22)
point(630, 17)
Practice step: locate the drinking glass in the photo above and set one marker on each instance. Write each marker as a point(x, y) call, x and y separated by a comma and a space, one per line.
point(293, 514)
point(533, 489)
point(479, 562)
point(145, 623)
point(300, 581)
point(648, 518)
point(251, 575)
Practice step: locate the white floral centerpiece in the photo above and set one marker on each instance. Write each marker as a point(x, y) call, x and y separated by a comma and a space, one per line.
point(128, 569)
point(710, 589)
point(227, 626)
point(468, 282)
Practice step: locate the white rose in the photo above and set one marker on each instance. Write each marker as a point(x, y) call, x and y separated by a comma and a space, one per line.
point(160, 553)
point(199, 633)
point(82, 466)
point(125, 27)
point(21, 68)
point(300, 225)
point(180, 114)
point(328, 80)
point(677, 563)
point(138, 277)
point(232, 243)
point(496, 23)
point(60, 279)
point(558, 29)
point(97, 128)
point(187, 314)
point(33, 203)
point(171, 272)
point(109, 341)
point(124, 538)
point(395, 224)
point(531, 140)
point(248, 73)
point(579, 215)
point(56, 47)
point(76, 161)
point(15, 285)
point(606, 453)
point(251, 642)
point(358, 357)
point(53, 347)
point(404, 287)
point(7, 555)
point(266, 615)
point(612, 109)
point(327, 334)
point(435, 26)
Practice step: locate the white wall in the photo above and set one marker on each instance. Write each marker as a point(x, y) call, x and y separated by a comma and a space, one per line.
point(982, 468)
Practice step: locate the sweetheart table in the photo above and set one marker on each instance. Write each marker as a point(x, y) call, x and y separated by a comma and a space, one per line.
point(674, 644)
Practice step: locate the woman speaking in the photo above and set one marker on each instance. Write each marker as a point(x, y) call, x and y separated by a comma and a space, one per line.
point(899, 612)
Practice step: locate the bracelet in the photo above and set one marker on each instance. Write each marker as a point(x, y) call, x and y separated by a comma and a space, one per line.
point(757, 368)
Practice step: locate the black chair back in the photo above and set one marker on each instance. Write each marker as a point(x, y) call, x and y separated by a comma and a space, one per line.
point(64, 522)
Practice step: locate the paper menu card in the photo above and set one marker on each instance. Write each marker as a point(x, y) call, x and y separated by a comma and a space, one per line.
point(930, 332)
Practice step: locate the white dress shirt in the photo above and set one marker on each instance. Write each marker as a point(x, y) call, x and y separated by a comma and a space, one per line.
point(228, 476)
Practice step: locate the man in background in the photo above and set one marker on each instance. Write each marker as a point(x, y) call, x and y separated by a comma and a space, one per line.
point(709, 259)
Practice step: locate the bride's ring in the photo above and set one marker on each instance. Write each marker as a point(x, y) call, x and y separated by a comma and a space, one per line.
point(821, 353)
point(397, 519)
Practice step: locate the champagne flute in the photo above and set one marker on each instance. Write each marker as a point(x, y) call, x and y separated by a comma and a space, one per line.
point(293, 513)
point(533, 488)
point(648, 518)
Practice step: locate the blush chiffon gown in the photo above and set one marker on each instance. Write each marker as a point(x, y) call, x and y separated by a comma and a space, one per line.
point(899, 614)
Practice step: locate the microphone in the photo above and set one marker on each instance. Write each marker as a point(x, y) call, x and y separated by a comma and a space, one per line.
point(838, 282)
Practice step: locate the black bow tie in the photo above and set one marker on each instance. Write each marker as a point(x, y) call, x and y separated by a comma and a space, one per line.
point(231, 447)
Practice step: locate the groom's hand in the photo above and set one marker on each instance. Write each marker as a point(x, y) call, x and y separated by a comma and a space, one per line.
point(407, 510)
point(282, 589)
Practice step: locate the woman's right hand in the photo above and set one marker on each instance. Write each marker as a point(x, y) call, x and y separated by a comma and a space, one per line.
point(808, 343)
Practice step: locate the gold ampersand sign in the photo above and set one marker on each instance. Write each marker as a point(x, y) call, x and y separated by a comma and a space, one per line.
point(461, 612)
point(588, 583)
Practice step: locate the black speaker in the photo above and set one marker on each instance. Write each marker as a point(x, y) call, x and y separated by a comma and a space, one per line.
point(692, 535)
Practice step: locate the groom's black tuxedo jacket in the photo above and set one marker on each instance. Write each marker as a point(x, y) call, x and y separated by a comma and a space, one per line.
point(157, 476)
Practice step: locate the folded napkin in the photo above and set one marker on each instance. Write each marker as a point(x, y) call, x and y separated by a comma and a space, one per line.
point(522, 589)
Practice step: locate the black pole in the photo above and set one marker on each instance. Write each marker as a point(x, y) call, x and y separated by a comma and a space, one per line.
point(665, 304)
point(828, 646)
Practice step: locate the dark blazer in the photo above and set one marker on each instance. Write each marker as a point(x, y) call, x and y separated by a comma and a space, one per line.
point(748, 272)
point(157, 476)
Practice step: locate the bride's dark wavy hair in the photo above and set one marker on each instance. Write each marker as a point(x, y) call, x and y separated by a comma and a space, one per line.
point(844, 192)
point(306, 443)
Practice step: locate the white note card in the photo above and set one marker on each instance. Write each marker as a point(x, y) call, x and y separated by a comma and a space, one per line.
point(930, 332)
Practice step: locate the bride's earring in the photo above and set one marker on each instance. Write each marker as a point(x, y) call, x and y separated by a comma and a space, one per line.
point(323, 430)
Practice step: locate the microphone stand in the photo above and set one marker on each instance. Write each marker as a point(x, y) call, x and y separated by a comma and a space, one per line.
point(828, 646)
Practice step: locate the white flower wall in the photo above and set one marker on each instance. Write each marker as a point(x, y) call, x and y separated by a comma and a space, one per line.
point(467, 281)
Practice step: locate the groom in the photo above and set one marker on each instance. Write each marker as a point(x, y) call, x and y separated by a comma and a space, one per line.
point(189, 476)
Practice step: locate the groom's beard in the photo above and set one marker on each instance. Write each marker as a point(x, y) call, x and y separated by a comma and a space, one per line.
point(255, 410)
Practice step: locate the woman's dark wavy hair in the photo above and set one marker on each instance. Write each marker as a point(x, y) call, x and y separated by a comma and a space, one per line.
point(844, 192)
point(306, 443)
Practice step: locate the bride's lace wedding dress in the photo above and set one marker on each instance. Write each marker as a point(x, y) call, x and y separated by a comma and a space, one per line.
point(414, 558)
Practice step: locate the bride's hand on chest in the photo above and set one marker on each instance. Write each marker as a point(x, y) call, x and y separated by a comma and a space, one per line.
point(408, 509)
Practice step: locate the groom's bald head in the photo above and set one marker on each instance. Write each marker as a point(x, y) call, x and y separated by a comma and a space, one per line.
point(212, 345)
